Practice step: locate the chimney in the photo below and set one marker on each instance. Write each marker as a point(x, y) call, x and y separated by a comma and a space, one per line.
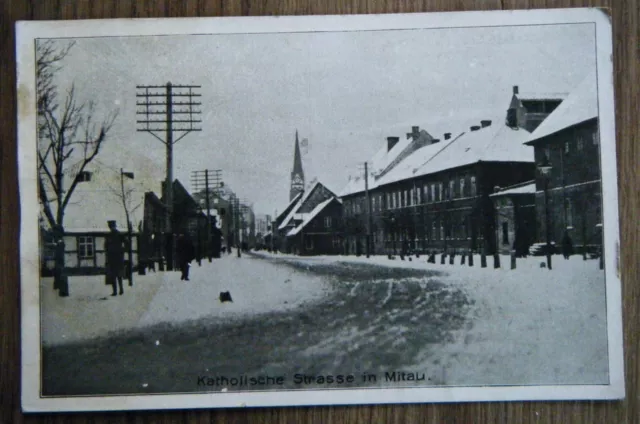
point(515, 89)
point(485, 123)
point(435, 140)
point(391, 141)
point(447, 136)
point(474, 128)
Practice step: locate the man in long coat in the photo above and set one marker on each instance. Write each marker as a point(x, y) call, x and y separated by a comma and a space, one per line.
point(185, 253)
point(114, 247)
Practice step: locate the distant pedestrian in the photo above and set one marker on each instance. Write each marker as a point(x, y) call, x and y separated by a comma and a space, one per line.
point(567, 245)
point(185, 254)
point(114, 246)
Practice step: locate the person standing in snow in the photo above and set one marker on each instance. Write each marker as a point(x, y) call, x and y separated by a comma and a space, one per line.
point(185, 254)
point(567, 245)
point(115, 258)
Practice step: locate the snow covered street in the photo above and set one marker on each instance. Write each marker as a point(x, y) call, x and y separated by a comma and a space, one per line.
point(458, 325)
point(255, 287)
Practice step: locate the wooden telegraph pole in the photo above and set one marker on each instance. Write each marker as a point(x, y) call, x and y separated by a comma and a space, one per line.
point(164, 111)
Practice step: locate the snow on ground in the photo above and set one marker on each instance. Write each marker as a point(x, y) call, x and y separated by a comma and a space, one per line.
point(159, 297)
point(530, 324)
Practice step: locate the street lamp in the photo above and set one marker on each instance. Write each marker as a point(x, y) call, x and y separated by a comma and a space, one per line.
point(545, 168)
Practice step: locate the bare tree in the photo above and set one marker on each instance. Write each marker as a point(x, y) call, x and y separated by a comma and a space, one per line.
point(69, 138)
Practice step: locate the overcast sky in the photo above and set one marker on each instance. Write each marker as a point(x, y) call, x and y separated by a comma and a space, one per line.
point(345, 92)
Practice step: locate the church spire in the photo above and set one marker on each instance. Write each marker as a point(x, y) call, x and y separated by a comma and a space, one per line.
point(297, 175)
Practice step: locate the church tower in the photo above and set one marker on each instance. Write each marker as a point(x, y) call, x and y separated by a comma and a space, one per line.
point(297, 175)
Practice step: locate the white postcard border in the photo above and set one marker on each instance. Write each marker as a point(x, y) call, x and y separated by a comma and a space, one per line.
point(27, 32)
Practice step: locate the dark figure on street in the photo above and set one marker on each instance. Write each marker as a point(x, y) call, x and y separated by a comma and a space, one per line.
point(60, 279)
point(216, 242)
point(185, 253)
point(114, 246)
point(567, 245)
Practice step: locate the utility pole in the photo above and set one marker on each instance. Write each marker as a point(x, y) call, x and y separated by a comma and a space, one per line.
point(237, 220)
point(164, 111)
point(368, 207)
point(207, 180)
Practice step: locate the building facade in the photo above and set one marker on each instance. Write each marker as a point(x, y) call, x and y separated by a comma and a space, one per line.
point(320, 232)
point(515, 225)
point(569, 193)
point(428, 194)
point(298, 211)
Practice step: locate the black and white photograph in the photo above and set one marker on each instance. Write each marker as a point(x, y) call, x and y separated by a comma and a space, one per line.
point(223, 212)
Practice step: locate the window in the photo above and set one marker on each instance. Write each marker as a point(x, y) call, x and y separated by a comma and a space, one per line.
point(406, 198)
point(433, 231)
point(473, 186)
point(440, 187)
point(452, 189)
point(388, 201)
point(433, 193)
point(595, 138)
point(418, 195)
point(567, 147)
point(462, 187)
point(83, 176)
point(579, 143)
point(85, 247)
point(327, 222)
point(505, 233)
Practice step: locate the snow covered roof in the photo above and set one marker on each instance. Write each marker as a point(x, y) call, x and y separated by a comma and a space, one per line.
point(580, 106)
point(384, 158)
point(309, 216)
point(99, 200)
point(379, 163)
point(520, 189)
point(294, 212)
point(287, 209)
point(356, 185)
point(541, 96)
point(495, 143)
point(407, 167)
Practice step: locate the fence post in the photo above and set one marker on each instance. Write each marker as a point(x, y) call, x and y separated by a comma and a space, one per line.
point(513, 259)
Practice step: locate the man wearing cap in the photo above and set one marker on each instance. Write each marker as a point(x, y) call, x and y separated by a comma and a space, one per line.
point(115, 258)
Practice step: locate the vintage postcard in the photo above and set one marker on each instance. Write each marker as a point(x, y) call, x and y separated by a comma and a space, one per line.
point(225, 212)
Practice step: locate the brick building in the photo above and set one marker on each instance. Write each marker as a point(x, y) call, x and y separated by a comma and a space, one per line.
point(429, 195)
point(568, 144)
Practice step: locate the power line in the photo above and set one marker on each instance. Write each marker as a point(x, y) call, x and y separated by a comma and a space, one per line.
point(164, 111)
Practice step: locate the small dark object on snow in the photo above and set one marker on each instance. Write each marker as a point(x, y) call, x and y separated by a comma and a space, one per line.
point(409, 258)
point(543, 265)
point(225, 297)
